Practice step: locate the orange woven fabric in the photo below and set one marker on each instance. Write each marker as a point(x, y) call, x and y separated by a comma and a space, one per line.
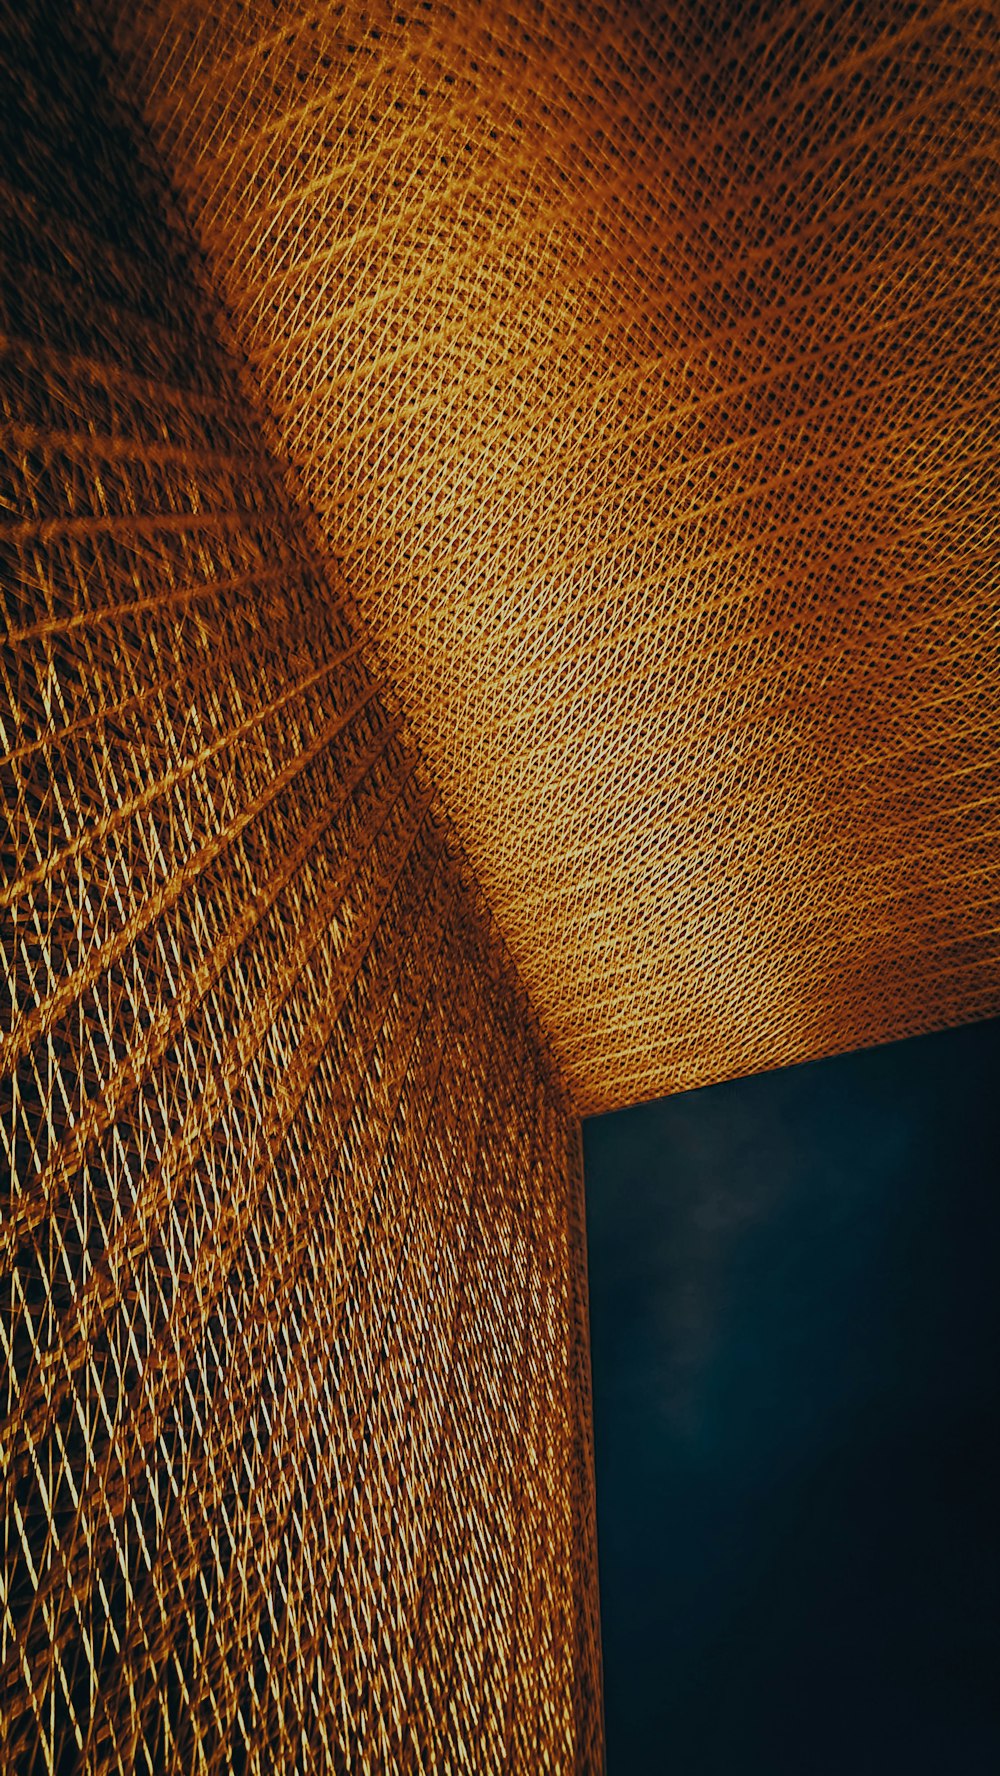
point(643, 378)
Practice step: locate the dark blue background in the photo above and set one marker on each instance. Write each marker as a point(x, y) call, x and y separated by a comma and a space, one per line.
point(795, 1315)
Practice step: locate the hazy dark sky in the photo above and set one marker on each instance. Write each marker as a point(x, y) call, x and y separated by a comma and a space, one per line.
point(795, 1307)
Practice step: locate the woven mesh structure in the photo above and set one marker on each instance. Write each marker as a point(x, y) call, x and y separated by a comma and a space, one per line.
point(641, 367)
point(297, 1469)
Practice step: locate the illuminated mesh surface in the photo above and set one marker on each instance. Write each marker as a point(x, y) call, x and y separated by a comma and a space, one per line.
point(296, 1449)
point(643, 376)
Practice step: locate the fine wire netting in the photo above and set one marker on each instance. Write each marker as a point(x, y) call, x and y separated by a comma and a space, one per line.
point(640, 366)
point(296, 1448)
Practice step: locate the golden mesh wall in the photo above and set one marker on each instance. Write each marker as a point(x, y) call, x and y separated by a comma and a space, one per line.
point(296, 1453)
point(641, 367)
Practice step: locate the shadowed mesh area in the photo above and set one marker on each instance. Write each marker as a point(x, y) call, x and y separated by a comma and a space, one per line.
point(641, 368)
point(295, 1426)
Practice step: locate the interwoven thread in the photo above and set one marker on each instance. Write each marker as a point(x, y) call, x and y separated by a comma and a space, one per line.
point(641, 366)
point(296, 1451)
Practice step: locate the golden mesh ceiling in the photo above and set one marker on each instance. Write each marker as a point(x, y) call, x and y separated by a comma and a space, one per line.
point(643, 378)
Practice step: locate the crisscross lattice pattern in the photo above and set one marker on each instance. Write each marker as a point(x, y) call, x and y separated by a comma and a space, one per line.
point(642, 371)
point(295, 1439)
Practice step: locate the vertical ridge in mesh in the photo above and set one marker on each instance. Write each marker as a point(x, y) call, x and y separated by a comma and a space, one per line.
point(295, 1468)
